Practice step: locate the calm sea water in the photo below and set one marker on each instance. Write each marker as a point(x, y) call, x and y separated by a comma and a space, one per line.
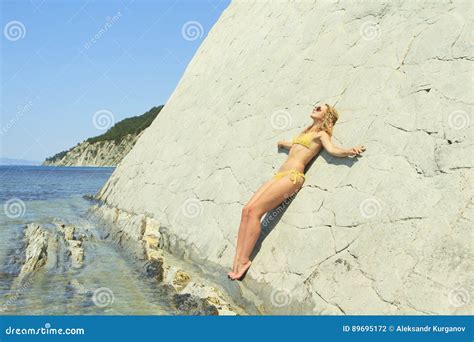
point(50, 183)
point(44, 194)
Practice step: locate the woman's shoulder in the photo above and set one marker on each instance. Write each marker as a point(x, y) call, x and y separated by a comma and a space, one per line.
point(318, 134)
point(322, 134)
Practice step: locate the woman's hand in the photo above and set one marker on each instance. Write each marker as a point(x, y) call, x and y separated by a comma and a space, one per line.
point(356, 151)
point(284, 144)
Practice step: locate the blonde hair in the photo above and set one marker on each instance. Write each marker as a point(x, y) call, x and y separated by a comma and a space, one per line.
point(328, 121)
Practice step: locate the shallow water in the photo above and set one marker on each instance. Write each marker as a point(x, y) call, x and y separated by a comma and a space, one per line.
point(108, 283)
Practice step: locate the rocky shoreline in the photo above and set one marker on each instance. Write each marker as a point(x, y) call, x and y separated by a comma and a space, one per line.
point(59, 246)
point(147, 240)
point(56, 246)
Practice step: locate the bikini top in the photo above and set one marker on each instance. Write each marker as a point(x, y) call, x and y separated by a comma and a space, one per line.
point(303, 139)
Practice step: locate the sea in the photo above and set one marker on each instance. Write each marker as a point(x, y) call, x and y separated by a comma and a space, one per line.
point(109, 281)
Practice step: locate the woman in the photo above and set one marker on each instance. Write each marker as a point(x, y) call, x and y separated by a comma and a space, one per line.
point(288, 180)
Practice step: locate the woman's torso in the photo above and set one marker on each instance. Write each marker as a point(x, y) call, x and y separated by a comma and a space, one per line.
point(299, 155)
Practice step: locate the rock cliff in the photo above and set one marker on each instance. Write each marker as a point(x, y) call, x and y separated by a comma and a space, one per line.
point(101, 153)
point(387, 233)
point(107, 149)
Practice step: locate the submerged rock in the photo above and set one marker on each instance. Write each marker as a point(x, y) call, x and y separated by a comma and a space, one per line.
point(89, 197)
point(36, 242)
point(42, 250)
point(188, 304)
point(74, 245)
point(77, 253)
point(154, 269)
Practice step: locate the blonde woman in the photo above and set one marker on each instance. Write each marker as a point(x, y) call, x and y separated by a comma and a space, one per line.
point(287, 181)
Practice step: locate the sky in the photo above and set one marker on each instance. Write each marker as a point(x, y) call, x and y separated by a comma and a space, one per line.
point(70, 69)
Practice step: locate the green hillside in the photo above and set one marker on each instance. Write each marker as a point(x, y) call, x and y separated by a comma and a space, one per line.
point(117, 132)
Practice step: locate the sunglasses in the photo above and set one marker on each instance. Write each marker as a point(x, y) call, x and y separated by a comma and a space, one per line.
point(319, 108)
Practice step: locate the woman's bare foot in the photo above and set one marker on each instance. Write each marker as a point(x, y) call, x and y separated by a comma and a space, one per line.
point(242, 268)
point(231, 274)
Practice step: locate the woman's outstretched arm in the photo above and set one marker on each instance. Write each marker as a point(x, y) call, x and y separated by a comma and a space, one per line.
point(338, 151)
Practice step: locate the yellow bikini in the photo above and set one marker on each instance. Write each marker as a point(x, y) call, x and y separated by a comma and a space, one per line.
point(295, 176)
point(302, 139)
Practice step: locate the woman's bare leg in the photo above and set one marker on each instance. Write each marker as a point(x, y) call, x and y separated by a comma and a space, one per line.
point(240, 236)
point(269, 199)
point(243, 221)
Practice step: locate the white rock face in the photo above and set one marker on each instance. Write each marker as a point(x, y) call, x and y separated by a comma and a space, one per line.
point(388, 233)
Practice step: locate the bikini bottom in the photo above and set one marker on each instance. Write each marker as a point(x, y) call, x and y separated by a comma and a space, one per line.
point(295, 175)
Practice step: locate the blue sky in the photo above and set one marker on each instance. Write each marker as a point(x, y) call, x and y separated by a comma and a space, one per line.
point(64, 61)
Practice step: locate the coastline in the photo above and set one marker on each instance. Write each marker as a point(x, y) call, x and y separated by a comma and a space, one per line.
point(153, 244)
point(151, 241)
point(48, 247)
point(75, 166)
